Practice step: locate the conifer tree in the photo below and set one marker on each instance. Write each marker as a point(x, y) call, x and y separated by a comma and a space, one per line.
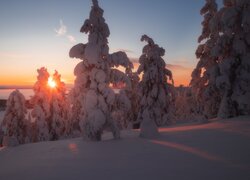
point(95, 99)
point(233, 51)
point(14, 123)
point(204, 76)
point(157, 94)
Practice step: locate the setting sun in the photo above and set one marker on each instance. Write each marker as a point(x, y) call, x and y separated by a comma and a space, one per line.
point(51, 83)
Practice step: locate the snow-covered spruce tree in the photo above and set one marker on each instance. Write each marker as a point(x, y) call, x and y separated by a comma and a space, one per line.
point(127, 103)
point(186, 106)
point(14, 123)
point(204, 76)
point(156, 92)
point(41, 102)
point(134, 97)
point(233, 50)
point(60, 125)
point(94, 75)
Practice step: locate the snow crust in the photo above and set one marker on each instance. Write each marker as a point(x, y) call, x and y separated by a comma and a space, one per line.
point(216, 150)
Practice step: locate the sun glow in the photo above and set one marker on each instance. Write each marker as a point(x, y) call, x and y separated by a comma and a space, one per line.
point(51, 83)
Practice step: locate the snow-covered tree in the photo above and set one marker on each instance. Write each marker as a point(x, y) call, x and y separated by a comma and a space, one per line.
point(94, 74)
point(51, 107)
point(60, 124)
point(14, 123)
point(41, 102)
point(157, 94)
point(204, 76)
point(233, 51)
point(127, 103)
point(76, 96)
point(186, 106)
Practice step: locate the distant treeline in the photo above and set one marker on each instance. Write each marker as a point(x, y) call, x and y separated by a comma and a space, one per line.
point(2, 104)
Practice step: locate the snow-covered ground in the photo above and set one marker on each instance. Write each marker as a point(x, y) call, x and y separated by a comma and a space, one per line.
point(217, 150)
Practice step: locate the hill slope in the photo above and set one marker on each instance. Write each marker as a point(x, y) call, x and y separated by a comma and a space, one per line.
point(217, 150)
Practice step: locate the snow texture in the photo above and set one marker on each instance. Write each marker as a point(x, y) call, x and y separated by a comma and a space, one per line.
point(216, 150)
point(41, 102)
point(92, 98)
point(233, 52)
point(14, 126)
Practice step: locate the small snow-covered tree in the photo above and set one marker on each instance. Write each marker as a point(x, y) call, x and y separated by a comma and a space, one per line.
point(157, 94)
point(127, 103)
point(94, 74)
point(41, 102)
point(60, 124)
point(14, 123)
point(233, 51)
point(204, 76)
point(186, 106)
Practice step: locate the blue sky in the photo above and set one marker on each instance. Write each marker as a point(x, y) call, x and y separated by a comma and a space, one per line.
point(29, 33)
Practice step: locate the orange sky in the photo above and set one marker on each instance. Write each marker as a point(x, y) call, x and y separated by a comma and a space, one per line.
point(181, 76)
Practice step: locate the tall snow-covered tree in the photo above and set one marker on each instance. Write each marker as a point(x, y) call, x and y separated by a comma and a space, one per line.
point(95, 73)
point(233, 51)
point(157, 94)
point(14, 123)
point(204, 76)
point(41, 102)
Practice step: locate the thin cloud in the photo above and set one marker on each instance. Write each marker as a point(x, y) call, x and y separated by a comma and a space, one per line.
point(175, 66)
point(71, 38)
point(62, 30)
point(127, 51)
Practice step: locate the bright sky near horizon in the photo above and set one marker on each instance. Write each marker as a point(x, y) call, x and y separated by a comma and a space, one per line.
point(40, 33)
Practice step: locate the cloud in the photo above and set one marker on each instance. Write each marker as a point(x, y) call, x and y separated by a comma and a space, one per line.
point(62, 30)
point(71, 38)
point(126, 51)
point(179, 67)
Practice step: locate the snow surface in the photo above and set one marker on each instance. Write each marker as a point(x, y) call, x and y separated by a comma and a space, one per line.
point(216, 150)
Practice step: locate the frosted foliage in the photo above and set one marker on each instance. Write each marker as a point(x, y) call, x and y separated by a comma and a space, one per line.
point(127, 103)
point(92, 98)
point(41, 102)
point(51, 108)
point(187, 109)
point(42, 129)
point(208, 11)
point(123, 112)
point(233, 50)
point(157, 96)
point(77, 51)
point(60, 124)
point(14, 122)
point(205, 75)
